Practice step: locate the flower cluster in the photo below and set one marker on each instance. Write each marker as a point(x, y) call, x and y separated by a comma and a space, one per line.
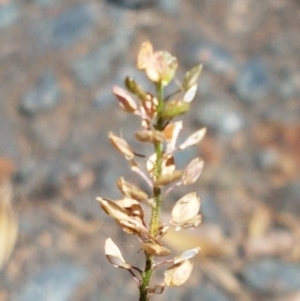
point(157, 114)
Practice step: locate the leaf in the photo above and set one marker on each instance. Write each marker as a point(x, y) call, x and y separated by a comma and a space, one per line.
point(125, 101)
point(122, 146)
point(131, 191)
point(186, 255)
point(192, 171)
point(195, 138)
point(114, 255)
point(185, 212)
point(179, 273)
point(155, 249)
point(8, 222)
point(191, 77)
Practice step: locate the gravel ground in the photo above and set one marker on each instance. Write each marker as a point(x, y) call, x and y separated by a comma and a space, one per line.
point(59, 60)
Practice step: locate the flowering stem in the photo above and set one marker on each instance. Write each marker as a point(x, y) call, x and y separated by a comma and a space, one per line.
point(154, 222)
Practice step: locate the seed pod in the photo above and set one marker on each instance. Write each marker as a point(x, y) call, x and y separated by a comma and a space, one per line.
point(131, 191)
point(175, 108)
point(152, 136)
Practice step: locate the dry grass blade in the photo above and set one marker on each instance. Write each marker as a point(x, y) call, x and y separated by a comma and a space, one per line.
point(8, 223)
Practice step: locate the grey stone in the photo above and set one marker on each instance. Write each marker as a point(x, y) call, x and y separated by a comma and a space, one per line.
point(266, 159)
point(169, 7)
point(221, 116)
point(8, 13)
point(71, 25)
point(55, 283)
point(286, 198)
point(45, 95)
point(253, 81)
point(133, 4)
point(272, 276)
point(94, 67)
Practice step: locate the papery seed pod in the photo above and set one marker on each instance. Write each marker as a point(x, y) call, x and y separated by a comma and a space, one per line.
point(126, 102)
point(122, 146)
point(175, 108)
point(132, 208)
point(165, 65)
point(171, 132)
point(192, 171)
point(167, 165)
point(186, 255)
point(155, 249)
point(191, 77)
point(194, 139)
point(189, 95)
point(185, 211)
point(145, 55)
point(8, 222)
point(152, 136)
point(131, 191)
point(112, 209)
point(114, 255)
point(166, 179)
point(179, 273)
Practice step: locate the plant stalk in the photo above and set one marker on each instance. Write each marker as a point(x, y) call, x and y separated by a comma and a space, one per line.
point(154, 222)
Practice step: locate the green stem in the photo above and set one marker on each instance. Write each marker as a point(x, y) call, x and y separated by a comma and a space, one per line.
point(154, 222)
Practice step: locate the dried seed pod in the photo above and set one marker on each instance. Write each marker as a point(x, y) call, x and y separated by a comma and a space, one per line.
point(126, 102)
point(175, 108)
point(8, 222)
point(114, 255)
point(131, 191)
point(152, 136)
point(191, 77)
point(168, 178)
point(185, 212)
point(122, 146)
point(171, 132)
point(113, 209)
point(132, 207)
point(189, 95)
point(155, 249)
point(192, 171)
point(194, 139)
point(186, 255)
point(179, 273)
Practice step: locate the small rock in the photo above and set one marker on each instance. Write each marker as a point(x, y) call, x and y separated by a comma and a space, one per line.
point(9, 12)
point(286, 198)
point(70, 26)
point(267, 159)
point(91, 69)
point(288, 84)
point(272, 276)
point(55, 283)
point(133, 4)
point(45, 95)
point(253, 81)
point(221, 116)
point(212, 55)
point(169, 7)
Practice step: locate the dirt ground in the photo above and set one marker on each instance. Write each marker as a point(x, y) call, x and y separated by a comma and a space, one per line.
point(59, 60)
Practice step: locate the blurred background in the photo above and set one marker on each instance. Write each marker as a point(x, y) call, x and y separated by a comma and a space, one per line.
point(59, 60)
